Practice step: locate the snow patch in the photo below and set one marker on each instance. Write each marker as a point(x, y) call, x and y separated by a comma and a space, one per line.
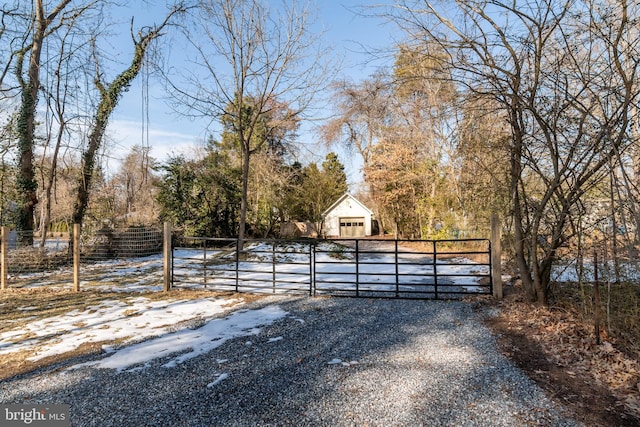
point(218, 380)
point(190, 343)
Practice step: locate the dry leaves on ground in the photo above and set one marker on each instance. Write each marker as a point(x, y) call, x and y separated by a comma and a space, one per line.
point(569, 345)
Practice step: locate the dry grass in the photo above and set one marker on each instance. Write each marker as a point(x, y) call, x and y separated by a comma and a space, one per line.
point(18, 307)
point(449, 250)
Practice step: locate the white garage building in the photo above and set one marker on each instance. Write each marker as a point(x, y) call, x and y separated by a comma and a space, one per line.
point(347, 217)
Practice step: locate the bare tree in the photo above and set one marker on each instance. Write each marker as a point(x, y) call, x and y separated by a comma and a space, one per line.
point(43, 23)
point(565, 75)
point(424, 118)
point(251, 58)
point(110, 94)
point(362, 116)
point(61, 97)
point(134, 188)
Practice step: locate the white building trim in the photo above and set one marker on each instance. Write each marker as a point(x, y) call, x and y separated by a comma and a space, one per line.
point(347, 216)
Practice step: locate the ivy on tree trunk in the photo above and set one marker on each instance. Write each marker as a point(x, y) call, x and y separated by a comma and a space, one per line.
point(109, 97)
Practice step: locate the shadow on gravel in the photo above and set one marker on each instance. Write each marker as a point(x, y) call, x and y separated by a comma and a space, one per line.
point(330, 362)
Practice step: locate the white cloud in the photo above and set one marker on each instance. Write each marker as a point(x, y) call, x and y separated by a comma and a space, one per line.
point(171, 137)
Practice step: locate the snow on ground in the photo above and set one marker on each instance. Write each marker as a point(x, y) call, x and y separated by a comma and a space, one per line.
point(127, 320)
point(190, 343)
point(335, 269)
point(570, 271)
point(144, 330)
point(138, 330)
point(153, 329)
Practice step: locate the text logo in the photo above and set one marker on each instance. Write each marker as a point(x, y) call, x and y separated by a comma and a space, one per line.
point(34, 415)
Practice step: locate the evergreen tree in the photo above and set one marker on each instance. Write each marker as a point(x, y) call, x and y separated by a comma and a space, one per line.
point(202, 196)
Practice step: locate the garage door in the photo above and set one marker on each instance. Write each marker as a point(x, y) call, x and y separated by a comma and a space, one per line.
point(352, 227)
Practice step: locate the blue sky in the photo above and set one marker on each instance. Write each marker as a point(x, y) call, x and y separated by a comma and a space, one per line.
point(347, 32)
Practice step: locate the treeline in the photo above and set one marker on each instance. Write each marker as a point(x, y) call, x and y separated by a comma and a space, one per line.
point(202, 196)
point(524, 109)
point(199, 193)
point(60, 82)
point(433, 162)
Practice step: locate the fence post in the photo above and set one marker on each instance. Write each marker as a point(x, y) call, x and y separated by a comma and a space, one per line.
point(4, 246)
point(273, 266)
point(357, 269)
point(312, 268)
point(166, 257)
point(204, 261)
point(397, 271)
point(76, 257)
point(435, 269)
point(239, 246)
point(496, 256)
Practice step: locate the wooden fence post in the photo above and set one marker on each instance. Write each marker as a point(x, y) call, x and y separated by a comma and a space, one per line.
point(4, 247)
point(496, 256)
point(166, 257)
point(76, 257)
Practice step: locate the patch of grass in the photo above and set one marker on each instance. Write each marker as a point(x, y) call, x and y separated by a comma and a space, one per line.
point(45, 302)
point(338, 251)
point(17, 363)
point(132, 313)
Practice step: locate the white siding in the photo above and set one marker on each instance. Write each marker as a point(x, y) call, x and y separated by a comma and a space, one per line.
point(347, 208)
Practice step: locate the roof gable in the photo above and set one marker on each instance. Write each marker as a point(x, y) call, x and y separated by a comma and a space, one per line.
point(342, 199)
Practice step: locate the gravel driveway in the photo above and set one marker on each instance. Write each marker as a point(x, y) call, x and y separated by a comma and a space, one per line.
point(330, 362)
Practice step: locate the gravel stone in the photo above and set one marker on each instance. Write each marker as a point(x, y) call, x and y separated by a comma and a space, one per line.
point(330, 362)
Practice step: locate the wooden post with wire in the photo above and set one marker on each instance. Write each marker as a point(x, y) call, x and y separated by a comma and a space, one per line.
point(496, 256)
point(596, 298)
point(166, 257)
point(4, 246)
point(76, 257)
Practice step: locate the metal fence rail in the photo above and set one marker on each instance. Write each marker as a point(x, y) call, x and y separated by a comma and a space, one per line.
point(130, 258)
point(341, 267)
point(265, 265)
point(403, 268)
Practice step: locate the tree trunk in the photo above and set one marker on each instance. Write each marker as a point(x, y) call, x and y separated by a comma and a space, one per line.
point(46, 214)
point(109, 97)
point(26, 183)
point(246, 154)
point(520, 248)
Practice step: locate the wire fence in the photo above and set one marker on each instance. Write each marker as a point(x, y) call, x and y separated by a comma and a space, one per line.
point(105, 257)
point(149, 259)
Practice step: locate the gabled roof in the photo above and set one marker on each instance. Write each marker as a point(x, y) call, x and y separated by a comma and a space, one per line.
point(342, 199)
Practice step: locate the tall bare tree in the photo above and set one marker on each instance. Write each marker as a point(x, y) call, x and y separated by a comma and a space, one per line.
point(43, 23)
point(362, 116)
point(251, 57)
point(424, 118)
point(64, 71)
point(110, 94)
point(134, 188)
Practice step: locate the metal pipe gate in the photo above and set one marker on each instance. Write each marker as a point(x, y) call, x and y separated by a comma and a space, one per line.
point(424, 269)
